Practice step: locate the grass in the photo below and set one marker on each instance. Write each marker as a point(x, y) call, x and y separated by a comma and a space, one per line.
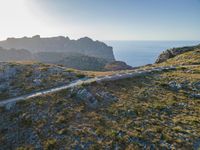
point(24, 81)
point(146, 111)
point(148, 114)
point(188, 58)
point(50, 144)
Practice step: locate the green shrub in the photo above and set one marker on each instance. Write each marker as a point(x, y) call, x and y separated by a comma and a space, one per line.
point(26, 122)
point(25, 148)
point(80, 75)
point(50, 144)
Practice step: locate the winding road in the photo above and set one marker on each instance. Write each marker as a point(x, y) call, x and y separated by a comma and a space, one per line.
point(118, 76)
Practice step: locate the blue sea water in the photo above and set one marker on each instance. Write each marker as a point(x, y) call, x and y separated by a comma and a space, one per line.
point(137, 53)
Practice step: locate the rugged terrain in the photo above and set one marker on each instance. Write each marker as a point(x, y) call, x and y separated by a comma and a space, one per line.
point(17, 78)
point(170, 53)
point(82, 54)
point(155, 110)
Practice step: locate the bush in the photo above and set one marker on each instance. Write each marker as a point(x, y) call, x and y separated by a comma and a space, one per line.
point(50, 144)
point(61, 119)
point(80, 75)
point(25, 148)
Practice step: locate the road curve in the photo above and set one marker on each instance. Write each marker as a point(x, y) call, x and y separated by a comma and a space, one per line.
point(128, 74)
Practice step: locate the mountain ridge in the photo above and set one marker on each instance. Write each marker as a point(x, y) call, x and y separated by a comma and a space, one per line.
point(85, 46)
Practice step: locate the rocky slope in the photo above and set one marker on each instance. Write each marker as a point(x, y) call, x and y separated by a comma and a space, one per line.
point(26, 77)
point(158, 110)
point(188, 58)
point(85, 46)
point(170, 53)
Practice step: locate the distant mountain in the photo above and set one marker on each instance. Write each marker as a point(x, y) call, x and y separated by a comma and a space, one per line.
point(85, 46)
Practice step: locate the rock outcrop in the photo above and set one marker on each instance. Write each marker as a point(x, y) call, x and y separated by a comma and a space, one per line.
point(170, 53)
point(93, 99)
point(85, 46)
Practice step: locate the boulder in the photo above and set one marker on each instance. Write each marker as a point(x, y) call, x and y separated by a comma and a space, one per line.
point(9, 106)
point(196, 85)
point(106, 97)
point(85, 96)
point(93, 100)
point(196, 145)
point(195, 95)
point(174, 85)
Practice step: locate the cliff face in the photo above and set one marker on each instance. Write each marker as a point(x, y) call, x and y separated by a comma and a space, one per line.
point(85, 46)
point(170, 53)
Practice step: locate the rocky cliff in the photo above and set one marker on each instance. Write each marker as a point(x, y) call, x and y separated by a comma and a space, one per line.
point(85, 46)
point(170, 53)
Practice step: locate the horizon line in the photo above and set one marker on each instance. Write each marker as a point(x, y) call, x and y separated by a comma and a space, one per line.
point(95, 39)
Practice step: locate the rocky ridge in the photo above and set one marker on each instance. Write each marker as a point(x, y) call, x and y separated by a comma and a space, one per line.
point(170, 53)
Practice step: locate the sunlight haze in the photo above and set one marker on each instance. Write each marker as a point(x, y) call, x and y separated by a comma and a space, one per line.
point(103, 20)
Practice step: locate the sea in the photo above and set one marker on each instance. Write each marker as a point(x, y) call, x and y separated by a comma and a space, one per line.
point(138, 53)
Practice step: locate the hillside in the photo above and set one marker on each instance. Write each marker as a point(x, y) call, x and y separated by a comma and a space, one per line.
point(14, 55)
point(171, 53)
point(18, 78)
point(156, 110)
point(72, 60)
point(187, 58)
point(67, 59)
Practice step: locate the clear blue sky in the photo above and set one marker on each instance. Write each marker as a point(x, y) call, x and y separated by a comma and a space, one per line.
point(117, 19)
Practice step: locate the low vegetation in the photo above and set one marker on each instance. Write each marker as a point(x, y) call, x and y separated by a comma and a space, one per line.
point(149, 112)
point(19, 78)
point(158, 110)
point(188, 58)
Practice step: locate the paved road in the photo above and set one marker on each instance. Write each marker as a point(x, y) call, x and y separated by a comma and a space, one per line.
point(126, 74)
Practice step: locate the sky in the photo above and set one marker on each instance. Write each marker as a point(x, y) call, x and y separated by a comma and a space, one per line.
point(102, 19)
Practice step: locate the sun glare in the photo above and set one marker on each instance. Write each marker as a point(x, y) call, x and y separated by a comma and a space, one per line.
point(18, 20)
